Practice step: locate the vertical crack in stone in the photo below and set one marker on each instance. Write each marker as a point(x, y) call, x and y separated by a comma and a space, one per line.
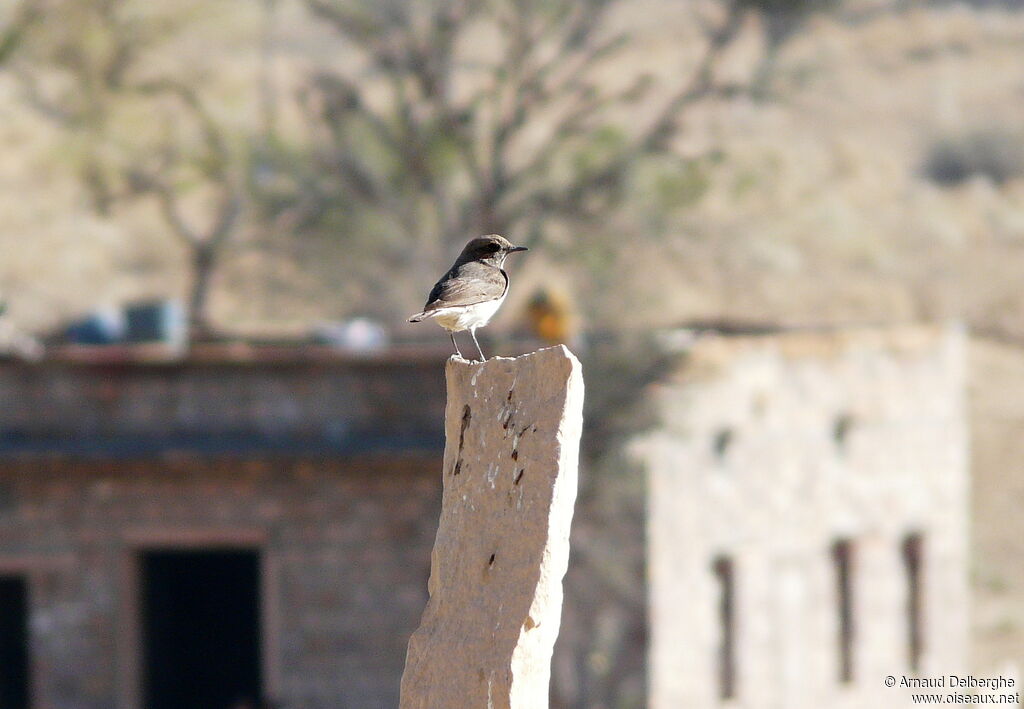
point(467, 416)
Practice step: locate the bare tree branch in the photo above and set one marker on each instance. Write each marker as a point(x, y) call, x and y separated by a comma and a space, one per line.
point(654, 138)
point(97, 85)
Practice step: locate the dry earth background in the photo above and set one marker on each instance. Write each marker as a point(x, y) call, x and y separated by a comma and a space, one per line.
point(816, 211)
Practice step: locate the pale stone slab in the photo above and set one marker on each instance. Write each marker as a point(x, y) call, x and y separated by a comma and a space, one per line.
point(510, 476)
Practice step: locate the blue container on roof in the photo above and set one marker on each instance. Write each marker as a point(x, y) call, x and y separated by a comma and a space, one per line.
point(156, 321)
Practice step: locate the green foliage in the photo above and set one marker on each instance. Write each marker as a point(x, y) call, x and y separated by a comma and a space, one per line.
point(597, 150)
point(745, 183)
point(680, 184)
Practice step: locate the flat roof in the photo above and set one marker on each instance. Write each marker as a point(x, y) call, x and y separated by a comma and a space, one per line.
point(219, 445)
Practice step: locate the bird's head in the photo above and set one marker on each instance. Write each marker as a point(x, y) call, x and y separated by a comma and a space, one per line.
point(491, 249)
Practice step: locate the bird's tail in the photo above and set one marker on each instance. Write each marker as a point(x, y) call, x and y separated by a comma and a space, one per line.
point(419, 317)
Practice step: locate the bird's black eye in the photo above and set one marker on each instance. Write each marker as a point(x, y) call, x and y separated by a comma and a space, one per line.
point(492, 248)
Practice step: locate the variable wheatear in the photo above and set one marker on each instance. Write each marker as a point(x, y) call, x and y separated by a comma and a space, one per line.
point(472, 290)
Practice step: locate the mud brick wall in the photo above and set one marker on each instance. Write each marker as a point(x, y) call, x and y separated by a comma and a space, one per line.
point(328, 466)
point(345, 553)
point(768, 451)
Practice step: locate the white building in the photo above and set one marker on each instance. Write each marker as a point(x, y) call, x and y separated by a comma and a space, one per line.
point(807, 527)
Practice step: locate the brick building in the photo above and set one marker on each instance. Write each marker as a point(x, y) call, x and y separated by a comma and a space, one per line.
point(232, 525)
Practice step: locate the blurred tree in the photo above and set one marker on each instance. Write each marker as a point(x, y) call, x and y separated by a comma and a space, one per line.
point(423, 146)
point(421, 140)
point(136, 131)
point(426, 138)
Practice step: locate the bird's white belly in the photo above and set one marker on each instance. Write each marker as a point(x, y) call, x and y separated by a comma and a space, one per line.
point(467, 317)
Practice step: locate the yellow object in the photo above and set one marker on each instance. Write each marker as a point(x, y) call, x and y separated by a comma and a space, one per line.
point(551, 316)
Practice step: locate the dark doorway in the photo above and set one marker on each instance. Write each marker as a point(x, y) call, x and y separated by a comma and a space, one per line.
point(14, 680)
point(200, 628)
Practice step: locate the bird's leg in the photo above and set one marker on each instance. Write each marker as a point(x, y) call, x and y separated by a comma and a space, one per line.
point(452, 335)
point(472, 331)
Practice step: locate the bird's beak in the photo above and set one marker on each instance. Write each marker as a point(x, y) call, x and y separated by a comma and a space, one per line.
point(517, 248)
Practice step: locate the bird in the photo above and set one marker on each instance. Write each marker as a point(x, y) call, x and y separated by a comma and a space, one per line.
point(472, 290)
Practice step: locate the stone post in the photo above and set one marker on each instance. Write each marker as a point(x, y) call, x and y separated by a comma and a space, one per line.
point(510, 472)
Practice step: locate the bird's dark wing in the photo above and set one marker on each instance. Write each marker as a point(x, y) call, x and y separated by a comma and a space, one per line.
point(467, 284)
